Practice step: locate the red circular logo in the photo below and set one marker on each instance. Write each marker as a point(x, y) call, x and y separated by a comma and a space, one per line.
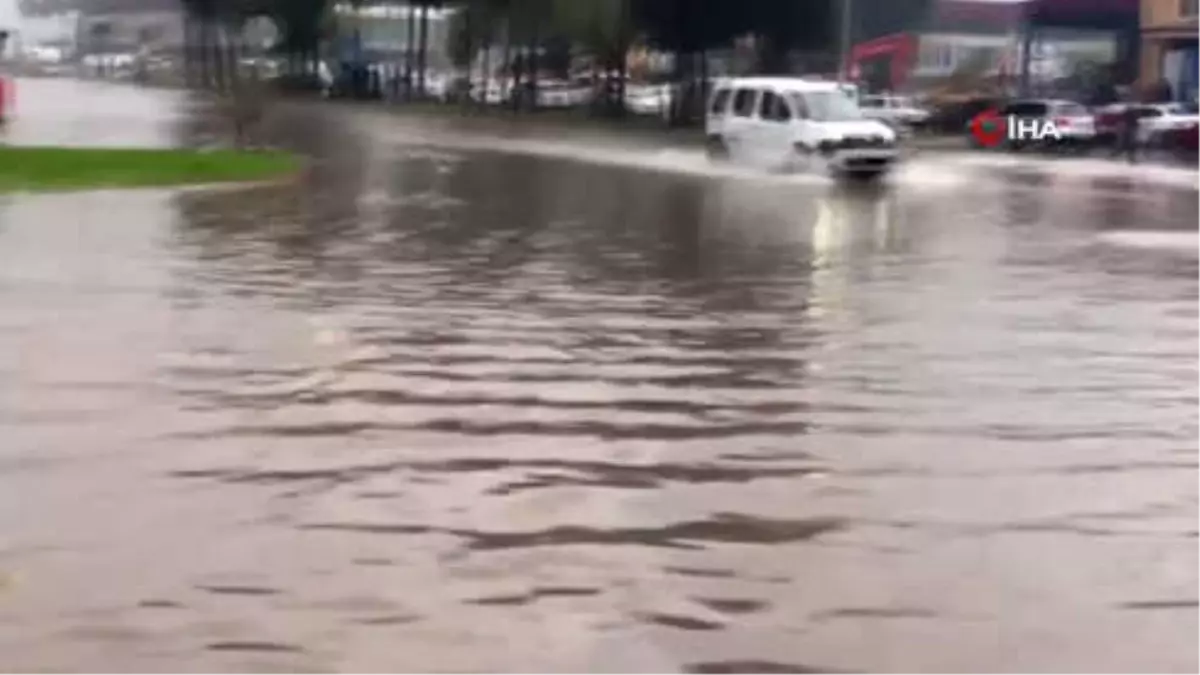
point(989, 128)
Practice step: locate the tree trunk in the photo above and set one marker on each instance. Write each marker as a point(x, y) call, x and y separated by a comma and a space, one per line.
point(189, 58)
point(422, 50)
point(534, 59)
point(233, 53)
point(772, 58)
point(409, 52)
point(679, 79)
point(507, 73)
point(622, 56)
point(217, 54)
point(487, 63)
point(201, 51)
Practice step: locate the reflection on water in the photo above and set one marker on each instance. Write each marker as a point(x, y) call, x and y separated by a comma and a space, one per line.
point(447, 410)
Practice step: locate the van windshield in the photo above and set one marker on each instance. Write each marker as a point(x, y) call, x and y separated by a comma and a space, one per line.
point(827, 106)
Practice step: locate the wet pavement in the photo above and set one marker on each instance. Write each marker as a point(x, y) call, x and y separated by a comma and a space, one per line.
point(465, 402)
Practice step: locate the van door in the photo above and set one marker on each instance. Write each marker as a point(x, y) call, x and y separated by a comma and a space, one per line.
point(740, 126)
point(807, 133)
point(718, 112)
point(775, 131)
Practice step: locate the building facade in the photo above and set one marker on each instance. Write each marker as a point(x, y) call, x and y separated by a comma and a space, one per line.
point(1169, 46)
point(128, 26)
point(379, 33)
point(952, 35)
point(1014, 44)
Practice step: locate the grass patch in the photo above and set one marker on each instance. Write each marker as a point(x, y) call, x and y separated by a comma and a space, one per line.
point(57, 168)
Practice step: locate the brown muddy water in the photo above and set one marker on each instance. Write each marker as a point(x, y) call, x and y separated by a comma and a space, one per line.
point(448, 405)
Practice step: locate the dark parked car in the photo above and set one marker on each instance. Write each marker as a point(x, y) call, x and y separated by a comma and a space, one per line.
point(949, 117)
point(1074, 123)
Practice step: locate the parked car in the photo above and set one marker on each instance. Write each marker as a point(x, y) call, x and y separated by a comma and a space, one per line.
point(1073, 121)
point(1159, 120)
point(1188, 138)
point(951, 115)
point(1110, 119)
point(900, 112)
point(562, 94)
point(649, 99)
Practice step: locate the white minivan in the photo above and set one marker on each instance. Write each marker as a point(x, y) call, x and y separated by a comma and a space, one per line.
point(794, 124)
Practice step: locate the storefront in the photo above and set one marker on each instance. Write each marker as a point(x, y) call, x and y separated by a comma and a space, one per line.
point(1169, 47)
point(885, 63)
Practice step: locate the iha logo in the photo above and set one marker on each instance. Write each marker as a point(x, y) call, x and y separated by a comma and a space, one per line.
point(991, 129)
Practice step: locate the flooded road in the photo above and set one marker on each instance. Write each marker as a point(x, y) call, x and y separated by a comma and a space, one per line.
point(448, 405)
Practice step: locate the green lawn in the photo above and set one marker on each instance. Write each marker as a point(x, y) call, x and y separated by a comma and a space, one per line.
point(58, 168)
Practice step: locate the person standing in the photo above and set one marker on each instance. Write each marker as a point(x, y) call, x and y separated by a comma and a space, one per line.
point(1130, 117)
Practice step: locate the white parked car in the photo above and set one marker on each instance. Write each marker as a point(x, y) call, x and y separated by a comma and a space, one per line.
point(1160, 118)
point(562, 94)
point(494, 92)
point(797, 125)
point(649, 99)
point(897, 111)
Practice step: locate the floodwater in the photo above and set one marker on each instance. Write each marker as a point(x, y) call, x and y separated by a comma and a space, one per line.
point(455, 403)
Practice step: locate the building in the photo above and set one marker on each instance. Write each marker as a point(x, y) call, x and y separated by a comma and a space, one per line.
point(953, 35)
point(1169, 46)
point(379, 33)
point(129, 26)
point(1010, 44)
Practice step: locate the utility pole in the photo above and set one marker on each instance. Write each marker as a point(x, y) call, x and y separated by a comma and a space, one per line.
point(844, 47)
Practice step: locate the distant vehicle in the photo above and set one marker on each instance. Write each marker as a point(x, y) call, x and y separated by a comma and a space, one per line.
point(1073, 121)
point(649, 99)
point(1156, 122)
point(1187, 138)
point(562, 94)
point(796, 124)
point(494, 92)
point(1110, 118)
point(898, 111)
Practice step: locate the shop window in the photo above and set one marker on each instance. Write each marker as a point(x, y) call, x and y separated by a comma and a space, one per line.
point(1188, 8)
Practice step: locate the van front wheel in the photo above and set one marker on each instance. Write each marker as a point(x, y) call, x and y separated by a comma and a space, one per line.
point(716, 149)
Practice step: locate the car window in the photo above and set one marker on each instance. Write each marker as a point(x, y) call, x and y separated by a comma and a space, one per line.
point(743, 102)
point(1026, 108)
point(1070, 109)
point(720, 102)
point(871, 102)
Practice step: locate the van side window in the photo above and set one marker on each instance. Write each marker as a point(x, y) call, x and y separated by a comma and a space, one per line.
point(766, 105)
point(743, 102)
point(773, 108)
point(800, 105)
point(783, 112)
point(720, 102)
